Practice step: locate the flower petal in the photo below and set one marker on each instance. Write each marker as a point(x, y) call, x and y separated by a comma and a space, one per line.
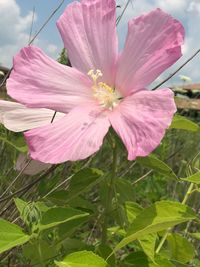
point(38, 81)
point(141, 120)
point(18, 118)
point(88, 30)
point(76, 136)
point(153, 44)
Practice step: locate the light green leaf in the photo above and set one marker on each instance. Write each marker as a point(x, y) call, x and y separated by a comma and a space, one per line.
point(21, 205)
point(157, 165)
point(82, 259)
point(180, 122)
point(11, 235)
point(195, 178)
point(58, 215)
point(158, 217)
point(195, 235)
point(148, 245)
point(181, 249)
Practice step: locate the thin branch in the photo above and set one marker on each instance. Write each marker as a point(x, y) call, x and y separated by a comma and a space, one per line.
point(120, 17)
point(171, 75)
point(28, 186)
point(47, 21)
point(54, 115)
point(142, 178)
point(16, 178)
point(32, 22)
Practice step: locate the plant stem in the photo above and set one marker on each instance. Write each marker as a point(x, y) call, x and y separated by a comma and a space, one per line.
point(190, 188)
point(108, 205)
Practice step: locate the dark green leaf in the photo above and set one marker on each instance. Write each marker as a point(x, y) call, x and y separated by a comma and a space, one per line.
point(157, 165)
point(80, 182)
point(56, 216)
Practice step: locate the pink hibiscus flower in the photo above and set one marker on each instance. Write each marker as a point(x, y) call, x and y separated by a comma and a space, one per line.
point(103, 88)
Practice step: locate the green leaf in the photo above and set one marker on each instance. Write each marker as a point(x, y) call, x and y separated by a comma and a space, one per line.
point(124, 190)
point(195, 178)
point(195, 235)
point(148, 245)
point(80, 182)
point(181, 249)
point(132, 210)
point(71, 245)
point(104, 251)
point(180, 122)
point(82, 259)
point(38, 249)
point(138, 259)
point(58, 215)
point(157, 165)
point(11, 235)
point(68, 228)
point(21, 147)
point(158, 217)
point(21, 205)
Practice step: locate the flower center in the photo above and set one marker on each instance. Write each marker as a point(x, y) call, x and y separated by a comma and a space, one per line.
point(107, 96)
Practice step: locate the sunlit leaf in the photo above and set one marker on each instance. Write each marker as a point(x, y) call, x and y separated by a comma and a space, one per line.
point(82, 259)
point(159, 216)
point(195, 178)
point(180, 122)
point(132, 210)
point(11, 235)
point(148, 245)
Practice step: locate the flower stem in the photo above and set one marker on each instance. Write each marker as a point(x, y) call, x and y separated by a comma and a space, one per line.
point(190, 188)
point(108, 205)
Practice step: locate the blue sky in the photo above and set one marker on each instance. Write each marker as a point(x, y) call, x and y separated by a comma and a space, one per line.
point(16, 16)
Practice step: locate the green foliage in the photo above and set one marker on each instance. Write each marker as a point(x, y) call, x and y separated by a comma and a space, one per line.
point(181, 249)
point(180, 122)
point(195, 178)
point(58, 215)
point(80, 182)
point(82, 259)
point(158, 217)
point(11, 235)
point(157, 165)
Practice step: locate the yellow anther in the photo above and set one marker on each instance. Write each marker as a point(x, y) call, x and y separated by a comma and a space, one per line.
point(106, 87)
point(107, 96)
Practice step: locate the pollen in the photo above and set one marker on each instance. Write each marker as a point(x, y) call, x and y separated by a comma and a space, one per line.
point(106, 95)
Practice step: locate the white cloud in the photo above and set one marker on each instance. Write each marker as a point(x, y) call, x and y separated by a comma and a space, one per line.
point(194, 7)
point(14, 32)
point(172, 6)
